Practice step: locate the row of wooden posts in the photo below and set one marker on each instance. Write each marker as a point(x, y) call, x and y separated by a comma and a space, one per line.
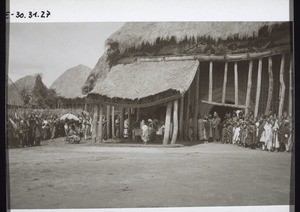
point(183, 107)
point(97, 125)
point(246, 106)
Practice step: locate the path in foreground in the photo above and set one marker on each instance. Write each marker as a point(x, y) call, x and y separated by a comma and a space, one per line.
point(85, 176)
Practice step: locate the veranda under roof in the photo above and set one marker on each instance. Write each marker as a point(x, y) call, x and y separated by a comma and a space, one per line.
point(143, 84)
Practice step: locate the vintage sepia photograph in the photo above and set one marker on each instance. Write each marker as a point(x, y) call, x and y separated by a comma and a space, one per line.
point(150, 114)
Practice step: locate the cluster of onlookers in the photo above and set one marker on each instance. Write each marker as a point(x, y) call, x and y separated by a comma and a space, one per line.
point(267, 132)
point(30, 129)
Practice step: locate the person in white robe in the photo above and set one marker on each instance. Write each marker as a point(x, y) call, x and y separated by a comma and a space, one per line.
point(236, 134)
point(275, 129)
point(268, 134)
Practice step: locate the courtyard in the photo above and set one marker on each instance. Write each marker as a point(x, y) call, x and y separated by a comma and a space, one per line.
point(59, 175)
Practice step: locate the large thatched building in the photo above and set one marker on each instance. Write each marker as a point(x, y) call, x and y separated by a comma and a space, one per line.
point(194, 68)
point(68, 87)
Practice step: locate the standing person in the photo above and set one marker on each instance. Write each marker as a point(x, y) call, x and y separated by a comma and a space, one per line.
point(236, 135)
point(145, 133)
point(12, 133)
point(88, 126)
point(117, 126)
point(234, 117)
point(285, 134)
point(24, 133)
point(53, 129)
point(38, 132)
point(126, 127)
point(201, 129)
point(47, 129)
point(31, 129)
point(83, 123)
point(251, 138)
point(268, 134)
point(104, 126)
point(261, 133)
point(207, 127)
point(151, 130)
point(66, 127)
point(275, 129)
point(191, 126)
point(229, 131)
point(210, 136)
point(215, 123)
point(243, 134)
point(224, 134)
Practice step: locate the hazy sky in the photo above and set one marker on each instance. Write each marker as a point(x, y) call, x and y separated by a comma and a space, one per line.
point(52, 48)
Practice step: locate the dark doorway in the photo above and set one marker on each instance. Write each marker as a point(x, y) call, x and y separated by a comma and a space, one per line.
point(154, 112)
point(222, 110)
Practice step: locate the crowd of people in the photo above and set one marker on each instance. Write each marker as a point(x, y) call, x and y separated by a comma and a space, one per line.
point(267, 132)
point(29, 130)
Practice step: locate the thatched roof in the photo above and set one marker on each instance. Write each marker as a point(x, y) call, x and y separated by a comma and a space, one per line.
point(98, 73)
point(13, 95)
point(135, 35)
point(135, 83)
point(69, 84)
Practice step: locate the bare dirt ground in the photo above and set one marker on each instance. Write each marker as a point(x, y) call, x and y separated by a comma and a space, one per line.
point(59, 175)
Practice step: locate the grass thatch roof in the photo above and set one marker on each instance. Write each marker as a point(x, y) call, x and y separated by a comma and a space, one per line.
point(13, 95)
point(137, 81)
point(98, 73)
point(69, 84)
point(137, 34)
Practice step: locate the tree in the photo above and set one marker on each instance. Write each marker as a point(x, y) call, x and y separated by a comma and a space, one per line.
point(25, 96)
point(40, 91)
point(51, 99)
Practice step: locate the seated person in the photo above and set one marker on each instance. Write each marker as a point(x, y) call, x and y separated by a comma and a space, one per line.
point(73, 135)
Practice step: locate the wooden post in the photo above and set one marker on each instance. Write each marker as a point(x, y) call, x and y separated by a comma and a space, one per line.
point(95, 120)
point(258, 88)
point(85, 106)
point(282, 87)
point(113, 121)
point(236, 84)
point(100, 127)
point(122, 122)
point(129, 122)
point(291, 87)
point(210, 86)
point(224, 83)
point(167, 123)
point(249, 87)
point(270, 91)
point(108, 128)
point(196, 108)
point(181, 118)
point(137, 114)
point(175, 122)
point(187, 113)
point(129, 117)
